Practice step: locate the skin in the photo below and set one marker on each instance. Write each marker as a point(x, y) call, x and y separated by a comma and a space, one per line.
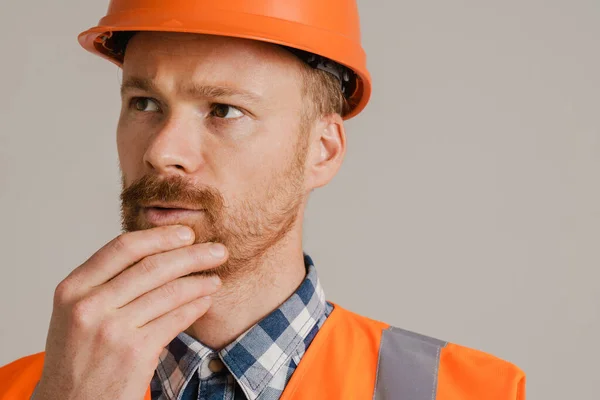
point(251, 168)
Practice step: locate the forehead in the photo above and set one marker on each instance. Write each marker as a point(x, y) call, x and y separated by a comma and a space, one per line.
point(173, 57)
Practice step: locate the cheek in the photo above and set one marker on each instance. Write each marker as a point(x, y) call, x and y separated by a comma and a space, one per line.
point(256, 171)
point(130, 148)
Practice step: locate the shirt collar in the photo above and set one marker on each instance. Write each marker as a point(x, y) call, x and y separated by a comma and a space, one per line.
point(256, 355)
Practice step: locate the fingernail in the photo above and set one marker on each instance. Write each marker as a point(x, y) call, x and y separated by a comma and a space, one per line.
point(216, 280)
point(184, 233)
point(217, 250)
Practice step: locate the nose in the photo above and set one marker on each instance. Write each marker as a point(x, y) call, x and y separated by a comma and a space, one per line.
point(175, 148)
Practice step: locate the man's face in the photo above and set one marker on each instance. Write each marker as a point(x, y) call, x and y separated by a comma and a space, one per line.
point(212, 125)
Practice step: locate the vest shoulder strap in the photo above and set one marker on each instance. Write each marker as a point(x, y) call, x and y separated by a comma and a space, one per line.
point(408, 365)
point(417, 367)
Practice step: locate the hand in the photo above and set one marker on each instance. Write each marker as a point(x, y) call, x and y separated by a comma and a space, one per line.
point(115, 313)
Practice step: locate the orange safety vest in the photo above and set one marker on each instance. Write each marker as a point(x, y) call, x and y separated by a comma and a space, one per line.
point(353, 357)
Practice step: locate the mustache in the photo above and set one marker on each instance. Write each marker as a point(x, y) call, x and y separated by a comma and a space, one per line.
point(151, 188)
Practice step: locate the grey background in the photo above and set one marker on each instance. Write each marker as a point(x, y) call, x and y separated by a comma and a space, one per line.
point(467, 208)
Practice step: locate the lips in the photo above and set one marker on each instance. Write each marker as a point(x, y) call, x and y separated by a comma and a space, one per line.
point(170, 214)
point(171, 206)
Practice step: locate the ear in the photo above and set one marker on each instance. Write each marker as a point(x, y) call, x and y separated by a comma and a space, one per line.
point(327, 151)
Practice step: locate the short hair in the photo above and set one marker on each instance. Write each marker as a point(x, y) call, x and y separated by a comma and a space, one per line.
point(324, 93)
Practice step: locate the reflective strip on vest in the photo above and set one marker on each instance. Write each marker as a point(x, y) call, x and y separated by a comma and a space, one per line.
point(408, 366)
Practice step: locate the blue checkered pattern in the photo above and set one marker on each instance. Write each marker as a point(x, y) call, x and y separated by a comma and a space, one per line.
point(257, 365)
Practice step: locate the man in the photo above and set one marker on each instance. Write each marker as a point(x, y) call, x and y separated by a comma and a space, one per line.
point(231, 115)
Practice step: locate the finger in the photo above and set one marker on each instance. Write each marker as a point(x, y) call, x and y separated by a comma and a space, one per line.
point(169, 297)
point(165, 328)
point(128, 249)
point(156, 270)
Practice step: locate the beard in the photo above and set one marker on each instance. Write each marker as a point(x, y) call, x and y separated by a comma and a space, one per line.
point(248, 226)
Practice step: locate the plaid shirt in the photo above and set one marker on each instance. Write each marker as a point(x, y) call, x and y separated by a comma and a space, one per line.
point(257, 365)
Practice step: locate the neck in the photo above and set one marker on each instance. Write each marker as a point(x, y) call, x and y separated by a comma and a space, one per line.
point(245, 300)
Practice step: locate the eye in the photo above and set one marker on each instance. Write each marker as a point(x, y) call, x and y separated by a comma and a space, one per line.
point(144, 104)
point(226, 111)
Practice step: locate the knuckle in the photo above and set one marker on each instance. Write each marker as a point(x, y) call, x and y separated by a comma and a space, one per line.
point(169, 291)
point(148, 265)
point(120, 243)
point(82, 313)
point(110, 332)
point(63, 293)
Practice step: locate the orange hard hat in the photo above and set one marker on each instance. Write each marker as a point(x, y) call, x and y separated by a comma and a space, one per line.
point(329, 29)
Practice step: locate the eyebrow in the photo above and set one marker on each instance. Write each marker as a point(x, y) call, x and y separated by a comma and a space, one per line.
point(190, 89)
point(133, 83)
